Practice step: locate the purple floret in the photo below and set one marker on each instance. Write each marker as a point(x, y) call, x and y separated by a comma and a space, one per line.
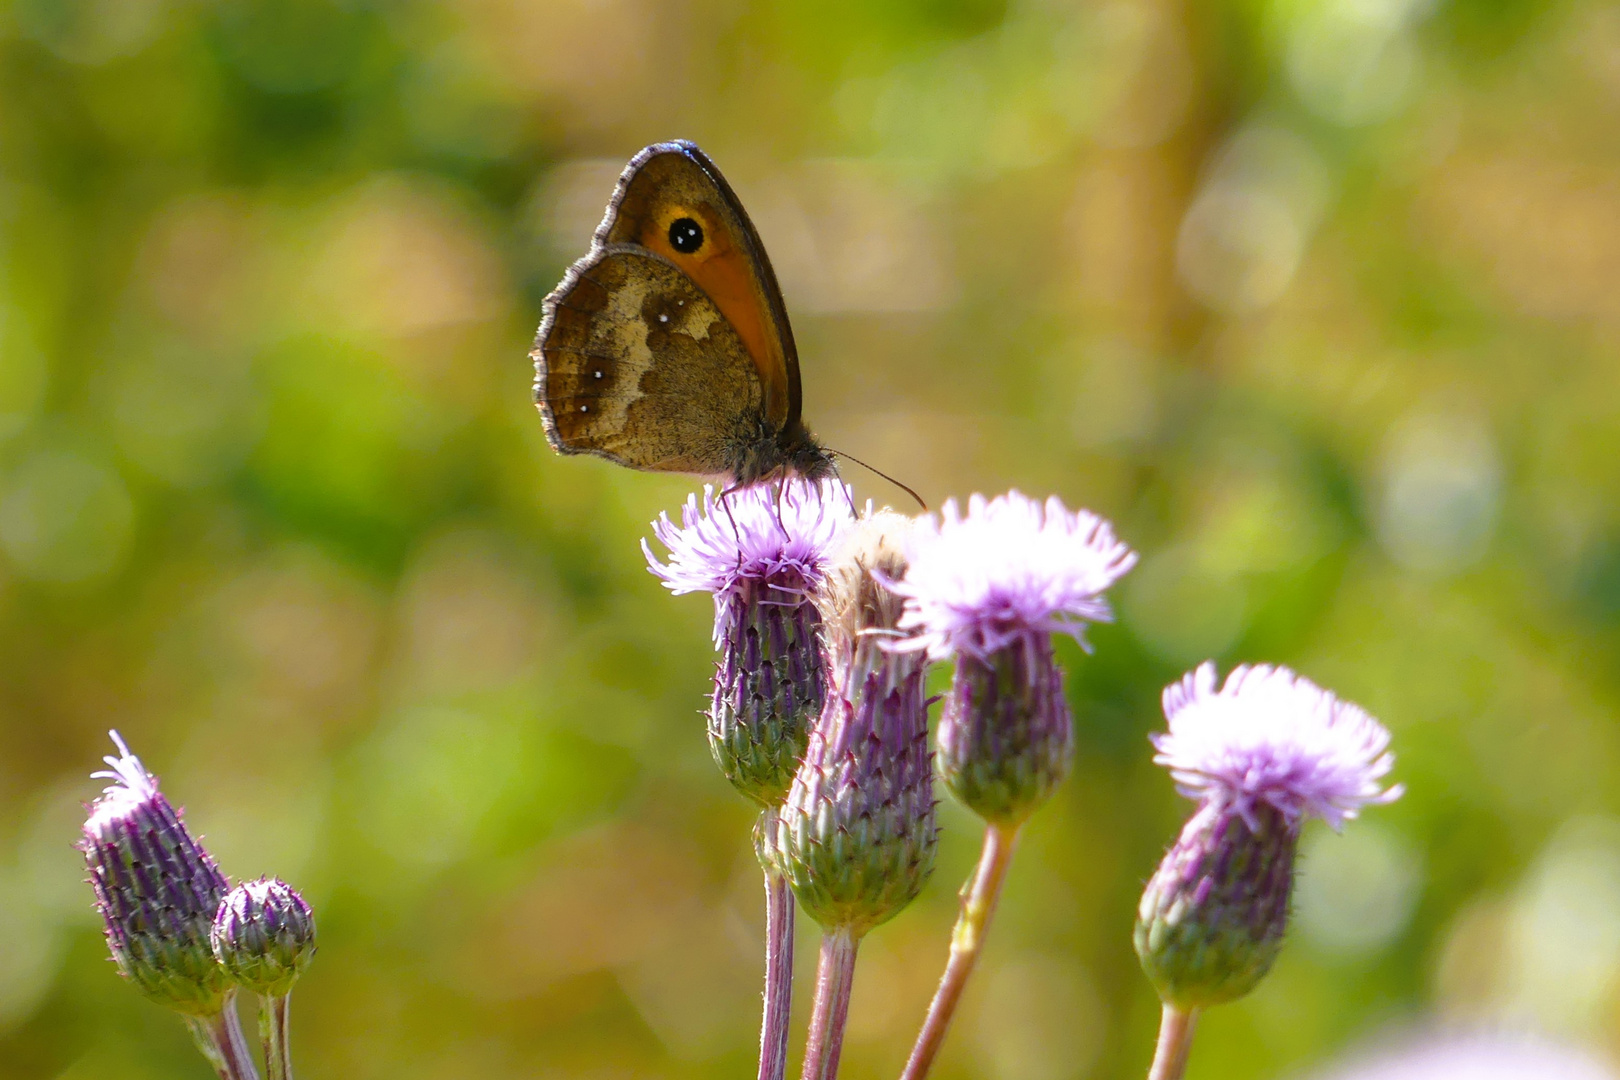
point(1008, 569)
point(1270, 736)
point(775, 535)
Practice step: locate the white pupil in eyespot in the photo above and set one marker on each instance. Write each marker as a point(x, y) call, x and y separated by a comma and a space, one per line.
point(685, 235)
point(596, 374)
point(663, 318)
point(584, 408)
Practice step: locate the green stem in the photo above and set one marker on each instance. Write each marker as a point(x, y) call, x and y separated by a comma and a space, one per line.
point(979, 897)
point(835, 974)
point(1175, 1042)
point(221, 1041)
point(273, 1017)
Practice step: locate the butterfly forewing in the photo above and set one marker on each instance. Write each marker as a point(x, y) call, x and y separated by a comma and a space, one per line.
point(639, 366)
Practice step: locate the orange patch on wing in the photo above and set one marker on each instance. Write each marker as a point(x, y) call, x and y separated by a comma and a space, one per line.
point(721, 269)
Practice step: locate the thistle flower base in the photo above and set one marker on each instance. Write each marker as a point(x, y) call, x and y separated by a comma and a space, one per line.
point(1006, 739)
point(1212, 918)
point(767, 693)
point(856, 838)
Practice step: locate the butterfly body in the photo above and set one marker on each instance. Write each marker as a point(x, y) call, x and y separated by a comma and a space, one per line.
point(667, 346)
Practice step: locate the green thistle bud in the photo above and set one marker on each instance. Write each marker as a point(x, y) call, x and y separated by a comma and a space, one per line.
point(264, 936)
point(157, 891)
point(767, 693)
point(1212, 918)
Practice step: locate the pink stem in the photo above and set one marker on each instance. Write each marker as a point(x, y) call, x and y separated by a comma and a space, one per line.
point(773, 1031)
point(1175, 1042)
point(221, 1041)
point(834, 976)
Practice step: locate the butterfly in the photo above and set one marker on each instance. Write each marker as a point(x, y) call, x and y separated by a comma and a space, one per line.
point(667, 346)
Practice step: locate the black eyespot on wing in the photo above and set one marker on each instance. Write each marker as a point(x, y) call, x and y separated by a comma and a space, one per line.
point(685, 235)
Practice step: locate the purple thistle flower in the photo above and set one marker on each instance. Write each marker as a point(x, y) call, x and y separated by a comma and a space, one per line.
point(1464, 1054)
point(856, 836)
point(768, 537)
point(763, 552)
point(1269, 736)
point(156, 889)
point(264, 936)
point(1008, 571)
point(991, 588)
point(1262, 754)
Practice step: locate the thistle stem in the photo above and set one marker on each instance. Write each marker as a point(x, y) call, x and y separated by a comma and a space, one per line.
point(835, 973)
point(1175, 1042)
point(273, 1017)
point(979, 897)
point(773, 1031)
point(221, 1041)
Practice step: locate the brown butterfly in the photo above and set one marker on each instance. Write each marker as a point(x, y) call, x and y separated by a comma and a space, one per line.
point(667, 347)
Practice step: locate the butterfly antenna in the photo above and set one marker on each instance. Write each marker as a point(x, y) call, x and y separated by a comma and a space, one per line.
point(885, 476)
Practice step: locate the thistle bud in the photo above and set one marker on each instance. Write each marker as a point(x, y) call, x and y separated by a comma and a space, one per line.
point(1261, 755)
point(157, 891)
point(991, 588)
point(761, 551)
point(856, 837)
point(264, 936)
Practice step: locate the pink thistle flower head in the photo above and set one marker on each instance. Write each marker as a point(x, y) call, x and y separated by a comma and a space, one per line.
point(764, 552)
point(1269, 736)
point(772, 541)
point(1008, 570)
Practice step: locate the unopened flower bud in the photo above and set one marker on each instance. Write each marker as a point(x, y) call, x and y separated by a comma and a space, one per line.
point(157, 891)
point(856, 837)
point(762, 552)
point(264, 936)
point(1262, 754)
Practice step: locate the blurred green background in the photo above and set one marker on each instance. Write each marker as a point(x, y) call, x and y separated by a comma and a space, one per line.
point(1316, 299)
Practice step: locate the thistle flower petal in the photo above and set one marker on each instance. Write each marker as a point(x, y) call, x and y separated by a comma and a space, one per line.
point(1270, 736)
point(1007, 570)
point(776, 535)
point(1463, 1054)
